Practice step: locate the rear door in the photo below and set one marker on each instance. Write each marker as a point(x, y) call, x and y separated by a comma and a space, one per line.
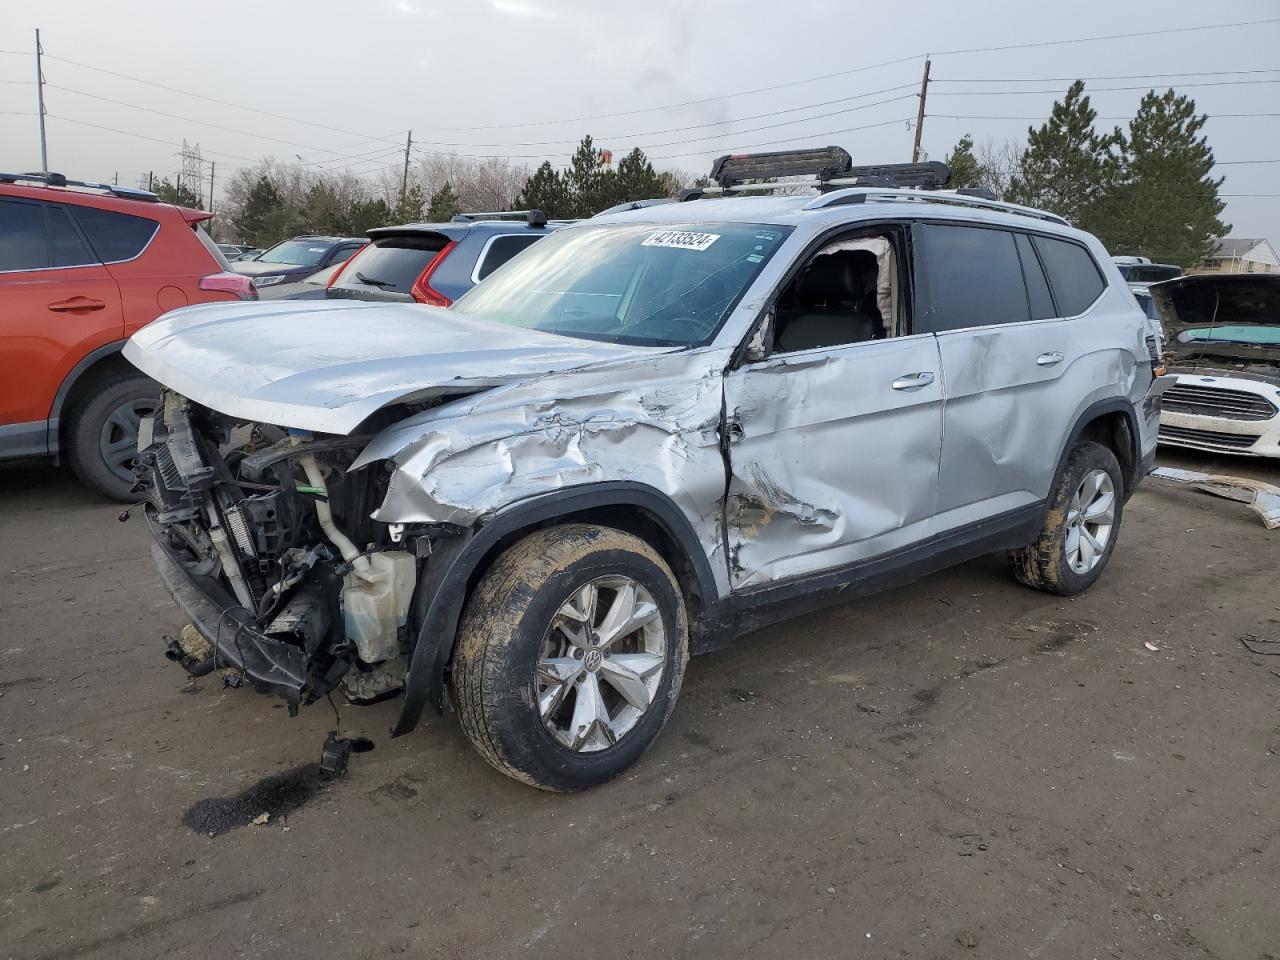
point(59, 301)
point(153, 276)
point(1005, 348)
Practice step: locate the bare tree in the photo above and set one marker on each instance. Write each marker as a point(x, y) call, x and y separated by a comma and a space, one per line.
point(997, 162)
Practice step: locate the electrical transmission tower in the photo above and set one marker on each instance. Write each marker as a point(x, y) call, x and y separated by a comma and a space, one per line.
point(192, 175)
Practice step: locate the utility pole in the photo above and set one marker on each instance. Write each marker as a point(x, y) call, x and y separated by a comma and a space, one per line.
point(44, 147)
point(924, 92)
point(151, 179)
point(404, 178)
point(213, 165)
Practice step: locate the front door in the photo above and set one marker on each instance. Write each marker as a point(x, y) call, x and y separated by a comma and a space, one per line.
point(833, 456)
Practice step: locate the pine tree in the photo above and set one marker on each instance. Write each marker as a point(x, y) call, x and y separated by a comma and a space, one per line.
point(546, 190)
point(964, 166)
point(1166, 205)
point(261, 212)
point(409, 207)
point(179, 194)
point(364, 215)
point(444, 205)
point(1067, 166)
point(589, 181)
point(635, 179)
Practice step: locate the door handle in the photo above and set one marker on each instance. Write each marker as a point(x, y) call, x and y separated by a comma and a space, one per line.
point(77, 305)
point(1050, 358)
point(913, 381)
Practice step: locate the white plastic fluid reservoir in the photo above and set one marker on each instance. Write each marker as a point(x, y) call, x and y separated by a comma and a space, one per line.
point(375, 604)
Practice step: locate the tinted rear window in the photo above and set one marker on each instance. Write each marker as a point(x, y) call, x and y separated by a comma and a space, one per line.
point(393, 262)
point(975, 278)
point(22, 237)
point(502, 249)
point(66, 249)
point(1075, 278)
point(115, 236)
point(1037, 286)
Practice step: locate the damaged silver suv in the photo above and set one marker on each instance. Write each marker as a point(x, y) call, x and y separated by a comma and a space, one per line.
point(648, 433)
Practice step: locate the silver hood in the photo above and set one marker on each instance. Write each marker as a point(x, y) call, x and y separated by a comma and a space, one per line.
point(326, 366)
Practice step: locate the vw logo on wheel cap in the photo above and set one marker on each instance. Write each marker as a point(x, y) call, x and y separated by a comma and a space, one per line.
point(593, 660)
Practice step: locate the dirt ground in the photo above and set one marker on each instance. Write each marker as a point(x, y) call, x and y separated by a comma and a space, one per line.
point(959, 768)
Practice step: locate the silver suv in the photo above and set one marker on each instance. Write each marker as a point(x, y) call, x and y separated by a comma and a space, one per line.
point(643, 436)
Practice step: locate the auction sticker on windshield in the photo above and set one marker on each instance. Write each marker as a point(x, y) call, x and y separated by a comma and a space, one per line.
point(683, 239)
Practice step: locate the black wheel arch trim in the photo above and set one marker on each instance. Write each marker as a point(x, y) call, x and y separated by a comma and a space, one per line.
point(68, 383)
point(1091, 413)
point(443, 590)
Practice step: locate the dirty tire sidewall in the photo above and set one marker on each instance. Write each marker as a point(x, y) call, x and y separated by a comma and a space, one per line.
point(1043, 564)
point(85, 427)
point(504, 624)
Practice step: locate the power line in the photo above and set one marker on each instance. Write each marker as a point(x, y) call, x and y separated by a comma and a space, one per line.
point(972, 116)
point(142, 136)
point(1228, 163)
point(202, 123)
point(1145, 86)
point(694, 126)
point(768, 143)
point(1127, 76)
point(1110, 36)
point(200, 96)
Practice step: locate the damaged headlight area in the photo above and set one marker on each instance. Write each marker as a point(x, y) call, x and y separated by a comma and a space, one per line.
point(264, 538)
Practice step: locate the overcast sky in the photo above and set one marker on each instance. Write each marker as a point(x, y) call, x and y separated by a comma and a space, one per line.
point(361, 74)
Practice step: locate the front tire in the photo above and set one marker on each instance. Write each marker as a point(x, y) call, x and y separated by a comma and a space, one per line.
point(1080, 527)
point(570, 656)
point(102, 437)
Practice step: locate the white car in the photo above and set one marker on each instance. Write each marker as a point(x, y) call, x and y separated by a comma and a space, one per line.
point(1223, 347)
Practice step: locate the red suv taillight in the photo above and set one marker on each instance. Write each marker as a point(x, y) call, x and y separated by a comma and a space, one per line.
point(422, 290)
point(236, 283)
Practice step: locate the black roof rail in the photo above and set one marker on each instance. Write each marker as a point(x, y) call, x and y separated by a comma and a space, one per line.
point(58, 180)
point(982, 193)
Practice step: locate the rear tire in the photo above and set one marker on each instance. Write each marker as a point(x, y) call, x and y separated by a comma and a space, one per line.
point(550, 690)
point(102, 436)
point(1080, 527)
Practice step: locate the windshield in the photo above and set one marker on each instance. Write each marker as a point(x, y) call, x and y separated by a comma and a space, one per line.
point(302, 253)
point(1233, 333)
point(641, 284)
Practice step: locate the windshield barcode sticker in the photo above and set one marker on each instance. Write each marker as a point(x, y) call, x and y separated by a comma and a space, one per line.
point(684, 239)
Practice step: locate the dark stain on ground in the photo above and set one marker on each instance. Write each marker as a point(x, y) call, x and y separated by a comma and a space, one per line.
point(44, 886)
point(977, 666)
point(924, 699)
point(278, 794)
point(360, 744)
point(396, 790)
point(1056, 642)
point(18, 681)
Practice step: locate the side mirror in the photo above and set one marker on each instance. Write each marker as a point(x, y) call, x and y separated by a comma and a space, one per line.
point(760, 344)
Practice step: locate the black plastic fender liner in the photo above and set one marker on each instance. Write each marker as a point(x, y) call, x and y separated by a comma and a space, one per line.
point(1092, 412)
point(453, 560)
point(270, 663)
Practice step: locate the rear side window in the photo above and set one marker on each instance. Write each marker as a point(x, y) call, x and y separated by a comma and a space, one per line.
point(502, 249)
point(22, 236)
point(66, 249)
point(974, 278)
point(391, 264)
point(115, 236)
point(1037, 287)
point(1075, 278)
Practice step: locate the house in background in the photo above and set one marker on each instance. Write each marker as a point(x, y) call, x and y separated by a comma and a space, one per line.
point(1241, 256)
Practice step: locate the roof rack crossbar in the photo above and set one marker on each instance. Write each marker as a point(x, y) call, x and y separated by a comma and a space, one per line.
point(58, 180)
point(864, 195)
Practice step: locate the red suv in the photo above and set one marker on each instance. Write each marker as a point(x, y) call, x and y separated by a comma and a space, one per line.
point(83, 266)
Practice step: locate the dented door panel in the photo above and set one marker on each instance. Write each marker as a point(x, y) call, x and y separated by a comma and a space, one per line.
point(1005, 423)
point(829, 463)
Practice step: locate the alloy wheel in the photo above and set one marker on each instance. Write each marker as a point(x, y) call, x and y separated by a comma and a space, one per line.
point(601, 663)
point(1090, 518)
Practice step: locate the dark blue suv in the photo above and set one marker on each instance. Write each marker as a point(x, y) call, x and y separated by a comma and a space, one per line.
point(435, 263)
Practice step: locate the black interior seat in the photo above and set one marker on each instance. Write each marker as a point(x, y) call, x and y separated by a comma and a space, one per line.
point(828, 310)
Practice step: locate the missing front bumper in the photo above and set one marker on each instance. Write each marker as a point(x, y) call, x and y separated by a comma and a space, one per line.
point(272, 665)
